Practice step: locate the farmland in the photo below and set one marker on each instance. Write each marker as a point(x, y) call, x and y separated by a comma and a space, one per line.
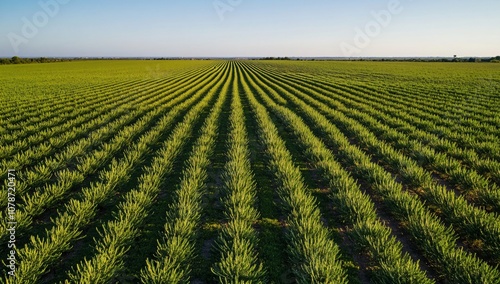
point(218, 171)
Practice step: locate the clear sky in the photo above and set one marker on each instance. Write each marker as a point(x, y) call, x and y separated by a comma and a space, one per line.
point(249, 28)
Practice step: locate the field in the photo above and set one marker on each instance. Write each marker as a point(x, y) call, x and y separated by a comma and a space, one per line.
point(250, 172)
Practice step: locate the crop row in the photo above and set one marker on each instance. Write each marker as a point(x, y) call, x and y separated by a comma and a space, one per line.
point(356, 208)
point(52, 99)
point(79, 212)
point(451, 169)
point(435, 240)
point(44, 169)
point(401, 194)
point(314, 255)
point(172, 261)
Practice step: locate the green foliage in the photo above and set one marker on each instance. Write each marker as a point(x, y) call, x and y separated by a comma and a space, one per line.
point(409, 154)
point(176, 250)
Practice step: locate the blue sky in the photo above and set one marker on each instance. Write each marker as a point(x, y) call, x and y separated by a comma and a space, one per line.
point(249, 28)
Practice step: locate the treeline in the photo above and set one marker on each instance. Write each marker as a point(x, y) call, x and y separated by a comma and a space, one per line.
point(399, 59)
point(276, 58)
point(455, 59)
point(19, 60)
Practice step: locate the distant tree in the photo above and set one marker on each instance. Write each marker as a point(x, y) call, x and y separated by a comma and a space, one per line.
point(16, 60)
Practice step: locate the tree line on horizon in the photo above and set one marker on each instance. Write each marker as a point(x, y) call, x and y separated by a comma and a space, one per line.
point(19, 60)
